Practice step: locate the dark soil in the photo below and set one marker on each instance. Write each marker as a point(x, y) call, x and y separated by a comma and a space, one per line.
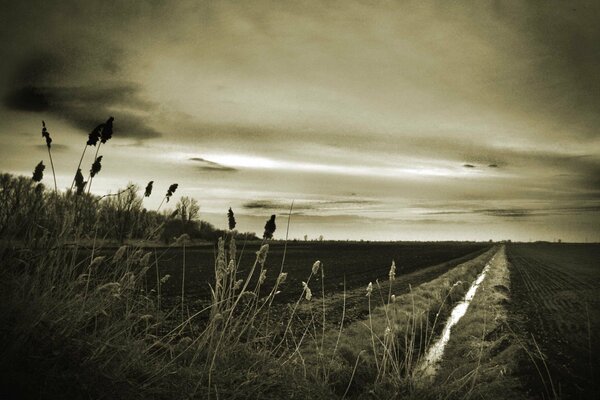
point(556, 302)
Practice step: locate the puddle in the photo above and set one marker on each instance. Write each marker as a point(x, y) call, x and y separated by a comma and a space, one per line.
point(430, 362)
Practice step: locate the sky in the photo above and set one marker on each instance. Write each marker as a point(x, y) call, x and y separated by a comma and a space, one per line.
point(379, 120)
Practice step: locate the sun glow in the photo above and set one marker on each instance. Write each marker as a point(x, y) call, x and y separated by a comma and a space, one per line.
point(403, 168)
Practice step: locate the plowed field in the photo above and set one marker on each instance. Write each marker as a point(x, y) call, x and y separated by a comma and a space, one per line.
point(556, 296)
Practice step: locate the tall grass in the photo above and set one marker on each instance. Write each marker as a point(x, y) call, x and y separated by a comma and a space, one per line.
point(95, 323)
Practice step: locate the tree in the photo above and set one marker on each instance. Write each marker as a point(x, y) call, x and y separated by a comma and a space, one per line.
point(120, 213)
point(187, 209)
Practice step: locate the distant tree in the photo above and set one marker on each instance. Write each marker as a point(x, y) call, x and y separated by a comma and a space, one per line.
point(305, 238)
point(120, 213)
point(320, 238)
point(187, 209)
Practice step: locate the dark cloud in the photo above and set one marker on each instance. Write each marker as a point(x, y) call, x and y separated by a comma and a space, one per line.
point(206, 165)
point(27, 98)
point(55, 147)
point(520, 212)
point(86, 107)
point(468, 166)
point(506, 213)
point(493, 166)
point(37, 86)
point(269, 205)
point(311, 207)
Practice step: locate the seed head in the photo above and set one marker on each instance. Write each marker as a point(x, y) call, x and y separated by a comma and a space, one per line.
point(171, 190)
point(262, 277)
point(96, 166)
point(281, 278)
point(392, 273)
point(230, 266)
point(46, 135)
point(96, 261)
point(393, 298)
point(144, 261)
point(315, 267)
point(307, 291)
point(119, 253)
point(261, 255)
point(165, 278)
point(270, 228)
point(107, 130)
point(79, 182)
point(137, 255)
point(38, 173)
point(95, 135)
point(369, 289)
point(148, 190)
point(231, 219)
point(238, 284)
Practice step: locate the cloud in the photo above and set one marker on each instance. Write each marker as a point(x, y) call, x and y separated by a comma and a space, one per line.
point(79, 87)
point(520, 212)
point(310, 205)
point(506, 213)
point(206, 165)
point(27, 98)
point(55, 147)
point(468, 166)
point(85, 106)
point(270, 205)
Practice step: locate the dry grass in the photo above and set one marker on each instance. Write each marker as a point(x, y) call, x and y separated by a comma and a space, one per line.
point(91, 327)
point(482, 357)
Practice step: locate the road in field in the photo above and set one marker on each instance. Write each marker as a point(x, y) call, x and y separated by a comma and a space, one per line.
point(556, 290)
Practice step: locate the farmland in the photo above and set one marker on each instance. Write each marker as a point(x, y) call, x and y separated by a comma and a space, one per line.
point(357, 263)
point(555, 299)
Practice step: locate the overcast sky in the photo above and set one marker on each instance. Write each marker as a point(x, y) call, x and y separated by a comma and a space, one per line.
point(382, 120)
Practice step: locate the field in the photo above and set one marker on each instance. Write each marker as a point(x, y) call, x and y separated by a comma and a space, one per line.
point(167, 314)
point(556, 299)
point(354, 263)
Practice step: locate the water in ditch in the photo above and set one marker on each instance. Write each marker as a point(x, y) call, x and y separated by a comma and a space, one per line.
point(434, 354)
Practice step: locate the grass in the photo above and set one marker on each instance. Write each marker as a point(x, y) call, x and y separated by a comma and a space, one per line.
point(87, 322)
point(380, 354)
point(93, 327)
point(483, 354)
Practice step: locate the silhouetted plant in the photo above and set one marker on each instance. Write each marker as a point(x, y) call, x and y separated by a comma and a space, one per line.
point(171, 191)
point(96, 167)
point(231, 219)
point(105, 135)
point(79, 182)
point(270, 228)
point(148, 190)
point(93, 138)
point(46, 135)
point(167, 197)
point(94, 135)
point(38, 173)
point(107, 130)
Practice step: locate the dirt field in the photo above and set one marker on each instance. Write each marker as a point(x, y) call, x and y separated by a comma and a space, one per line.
point(556, 298)
point(360, 263)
